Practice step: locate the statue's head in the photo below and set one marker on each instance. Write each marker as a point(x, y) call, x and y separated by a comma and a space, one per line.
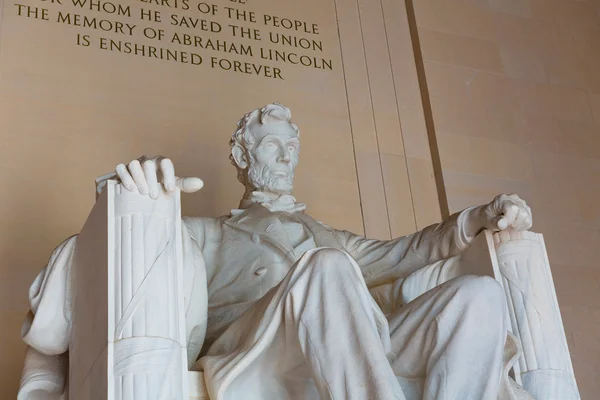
point(265, 149)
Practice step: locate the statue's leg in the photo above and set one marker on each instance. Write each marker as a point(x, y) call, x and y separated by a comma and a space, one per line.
point(319, 327)
point(453, 337)
point(341, 331)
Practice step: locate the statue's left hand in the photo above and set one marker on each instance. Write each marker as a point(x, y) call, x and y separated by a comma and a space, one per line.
point(504, 212)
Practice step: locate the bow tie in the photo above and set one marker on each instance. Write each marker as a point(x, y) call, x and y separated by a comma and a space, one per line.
point(271, 202)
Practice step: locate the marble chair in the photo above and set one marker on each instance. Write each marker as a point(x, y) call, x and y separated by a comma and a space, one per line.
point(128, 331)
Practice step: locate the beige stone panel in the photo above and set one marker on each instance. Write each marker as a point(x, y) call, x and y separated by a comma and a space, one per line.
point(346, 197)
point(425, 195)
point(381, 81)
point(463, 51)
point(582, 170)
point(460, 17)
point(570, 244)
point(588, 195)
point(447, 83)
point(368, 164)
point(359, 100)
point(582, 324)
point(468, 118)
point(465, 190)
point(523, 62)
point(485, 157)
point(539, 132)
point(398, 195)
point(12, 352)
point(520, 8)
point(556, 204)
point(372, 192)
point(565, 13)
point(495, 91)
point(559, 169)
point(581, 139)
point(407, 89)
point(425, 198)
point(594, 99)
point(575, 284)
point(573, 59)
point(542, 133)
point(555, 101)
point(526, 32)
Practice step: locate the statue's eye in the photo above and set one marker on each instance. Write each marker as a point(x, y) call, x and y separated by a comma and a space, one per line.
point(271, 145)
point(292, 149)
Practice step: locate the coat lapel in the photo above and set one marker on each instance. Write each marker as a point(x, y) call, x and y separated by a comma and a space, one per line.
point(262, 226)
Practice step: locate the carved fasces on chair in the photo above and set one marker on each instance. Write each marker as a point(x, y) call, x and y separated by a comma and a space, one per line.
point(519, 262)
point(129, 333)
point(545, 367)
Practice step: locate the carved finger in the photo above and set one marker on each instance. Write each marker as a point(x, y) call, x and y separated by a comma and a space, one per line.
point(527, 219)
point(501, 223)
point(509, 211)
point(125, 177)
point(519, 222)
point(498, 203)
point(151, 180)
point(189, 185)
point(137, 173)
point(168, 174)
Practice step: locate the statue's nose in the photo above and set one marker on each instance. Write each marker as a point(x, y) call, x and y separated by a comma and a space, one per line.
point(284, 156)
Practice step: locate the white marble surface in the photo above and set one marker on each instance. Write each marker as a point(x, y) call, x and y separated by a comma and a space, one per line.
point(278, 305)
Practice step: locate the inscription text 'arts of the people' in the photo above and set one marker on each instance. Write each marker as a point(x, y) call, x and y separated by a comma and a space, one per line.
point(226, 35)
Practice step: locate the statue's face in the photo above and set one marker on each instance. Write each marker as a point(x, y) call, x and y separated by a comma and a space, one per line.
point(274, 157)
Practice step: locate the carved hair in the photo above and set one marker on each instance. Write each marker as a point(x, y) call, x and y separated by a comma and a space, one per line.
point(243, 136)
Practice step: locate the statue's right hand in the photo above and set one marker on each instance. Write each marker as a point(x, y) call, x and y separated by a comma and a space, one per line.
point(146, 174)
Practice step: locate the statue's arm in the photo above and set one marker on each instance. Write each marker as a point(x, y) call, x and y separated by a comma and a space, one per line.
point(47, 327)
point(383, 261)
point(200, 240)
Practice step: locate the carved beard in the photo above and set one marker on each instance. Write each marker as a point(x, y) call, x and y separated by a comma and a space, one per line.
point(262, 179)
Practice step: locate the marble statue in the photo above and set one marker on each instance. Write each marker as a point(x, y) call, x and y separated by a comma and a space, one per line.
point(281, 306)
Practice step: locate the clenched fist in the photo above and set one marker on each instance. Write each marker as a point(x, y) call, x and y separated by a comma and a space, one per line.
point(146, 174)
point(504, 212)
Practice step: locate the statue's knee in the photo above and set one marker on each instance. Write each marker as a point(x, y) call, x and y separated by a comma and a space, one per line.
point(330, 254)
point(481, 293)
point(331, 260)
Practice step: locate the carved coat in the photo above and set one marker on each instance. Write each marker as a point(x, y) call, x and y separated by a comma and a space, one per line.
point(229, 263)
point(246, 255)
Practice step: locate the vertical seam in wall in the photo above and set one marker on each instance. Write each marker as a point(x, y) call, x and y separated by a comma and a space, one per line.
point(427, 110)
point(1, 27)
point(374, 119)
point(337, 21)
point(590, 108)
point(387, 43)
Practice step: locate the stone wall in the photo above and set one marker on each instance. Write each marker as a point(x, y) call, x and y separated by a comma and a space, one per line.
point(514, 88)
point(408, 111)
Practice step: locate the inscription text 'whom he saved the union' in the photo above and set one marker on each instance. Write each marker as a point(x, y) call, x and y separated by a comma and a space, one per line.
point(220, 35)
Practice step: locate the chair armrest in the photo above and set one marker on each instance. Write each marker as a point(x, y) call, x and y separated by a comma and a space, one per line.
point(519, 262)
point(128, 337)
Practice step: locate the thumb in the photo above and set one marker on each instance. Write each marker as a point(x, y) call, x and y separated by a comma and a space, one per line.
point(500, 223)
point(189, 184)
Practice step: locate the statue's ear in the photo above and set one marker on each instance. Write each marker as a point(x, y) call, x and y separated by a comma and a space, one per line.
point(239, 155)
